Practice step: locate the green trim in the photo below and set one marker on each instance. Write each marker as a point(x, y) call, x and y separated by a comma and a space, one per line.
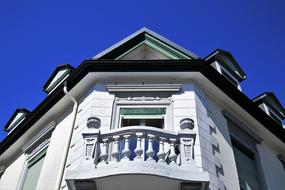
point(142, 111)
point(162, 47)
point(165, 48)
point(130, 50)
point(37, 158)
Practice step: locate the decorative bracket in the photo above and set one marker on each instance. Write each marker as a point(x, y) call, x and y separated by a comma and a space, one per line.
point(91, 147)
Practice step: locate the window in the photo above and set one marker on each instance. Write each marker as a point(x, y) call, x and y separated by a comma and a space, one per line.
point(246, 167)
point(244, 144)
point(33, 171)
point(35, 150)
point(152, 117)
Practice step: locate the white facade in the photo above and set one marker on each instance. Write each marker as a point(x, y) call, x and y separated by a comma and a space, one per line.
point(198, 157)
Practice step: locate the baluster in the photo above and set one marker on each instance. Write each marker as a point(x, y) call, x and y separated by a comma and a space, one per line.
point(172, 155)
point(115, 152)
point(104, 152)
point(150, 152)
point(139, 151)
point(161, 154)
point(126, 152)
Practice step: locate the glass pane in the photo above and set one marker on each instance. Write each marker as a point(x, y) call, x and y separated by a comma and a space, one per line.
point(142, 111)
point(33, 174)
point(246, 170)
point(130, 122)
point(158, 123)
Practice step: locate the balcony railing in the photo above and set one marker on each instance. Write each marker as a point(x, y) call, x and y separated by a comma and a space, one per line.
point(140, 144)
point(135, 151)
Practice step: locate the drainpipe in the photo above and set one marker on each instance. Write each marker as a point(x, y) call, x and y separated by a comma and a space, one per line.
point(69, 135)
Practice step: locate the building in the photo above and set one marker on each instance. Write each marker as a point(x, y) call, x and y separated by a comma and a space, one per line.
point(147, 114)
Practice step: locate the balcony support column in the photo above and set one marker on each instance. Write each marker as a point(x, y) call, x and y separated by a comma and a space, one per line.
point(115, 152)
point(172, 156)
point(104, 152)
point(139, 151)
point(150, 152)
point(126, 152)
point(161, 153)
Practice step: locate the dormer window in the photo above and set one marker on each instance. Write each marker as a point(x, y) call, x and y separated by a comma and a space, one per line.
point(57, 77)
point(271, 106)
point(16, 119)
point(225, 64)
point(230, 77)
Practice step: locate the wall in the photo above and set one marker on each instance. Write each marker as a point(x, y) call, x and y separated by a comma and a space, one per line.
point(214, 144)
point(54, 155)
point(273, 171)
point(12, 175)
point(96, 103)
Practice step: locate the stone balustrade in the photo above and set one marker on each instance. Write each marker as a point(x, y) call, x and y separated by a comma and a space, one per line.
point(139, 144)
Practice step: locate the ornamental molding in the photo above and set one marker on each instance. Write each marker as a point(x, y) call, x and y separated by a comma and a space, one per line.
point(39, 137)
point(143, 87)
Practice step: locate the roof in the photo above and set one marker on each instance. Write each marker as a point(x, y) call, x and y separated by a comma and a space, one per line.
point(272, 101)
point(16, 118)
point(135, 39)
point(195, 65)
point(54, 76)
point(231, 66)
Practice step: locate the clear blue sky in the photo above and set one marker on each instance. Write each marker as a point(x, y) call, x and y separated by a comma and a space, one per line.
point(36, 36)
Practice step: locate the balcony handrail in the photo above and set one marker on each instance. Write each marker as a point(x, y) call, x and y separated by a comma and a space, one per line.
point(139, 129)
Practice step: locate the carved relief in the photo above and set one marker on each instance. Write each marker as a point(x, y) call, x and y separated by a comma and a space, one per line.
point(90, 145)
point(188, 148)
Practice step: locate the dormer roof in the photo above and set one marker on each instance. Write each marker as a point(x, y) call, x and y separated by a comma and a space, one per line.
point(228, 62)
point(17, 117)
point(57, 77)
point(145, 38)
point(272, 102)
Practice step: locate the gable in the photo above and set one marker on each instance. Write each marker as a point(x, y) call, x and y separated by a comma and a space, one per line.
point(146, 44)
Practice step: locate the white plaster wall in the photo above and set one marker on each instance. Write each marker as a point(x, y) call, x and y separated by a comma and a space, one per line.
point(97, 103)
point(54, 155)
point(184, 106)
point(12, 175)
point(273, 170)
point(215, 144)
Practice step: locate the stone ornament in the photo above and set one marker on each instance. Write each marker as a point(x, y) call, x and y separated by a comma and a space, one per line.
point(188, 148)
point(93, 122)
point(187, 123)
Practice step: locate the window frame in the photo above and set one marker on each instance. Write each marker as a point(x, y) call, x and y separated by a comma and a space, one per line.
point(42, 150)
point(167, 117)
point(36, 146)
point(246, 140)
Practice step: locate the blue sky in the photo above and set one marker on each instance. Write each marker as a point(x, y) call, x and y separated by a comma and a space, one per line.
point(36, 36)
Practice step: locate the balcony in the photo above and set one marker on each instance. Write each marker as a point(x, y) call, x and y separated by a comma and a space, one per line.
point(130, 155)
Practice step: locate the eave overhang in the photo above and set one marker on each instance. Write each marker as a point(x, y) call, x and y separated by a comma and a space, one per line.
point(195, 65)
